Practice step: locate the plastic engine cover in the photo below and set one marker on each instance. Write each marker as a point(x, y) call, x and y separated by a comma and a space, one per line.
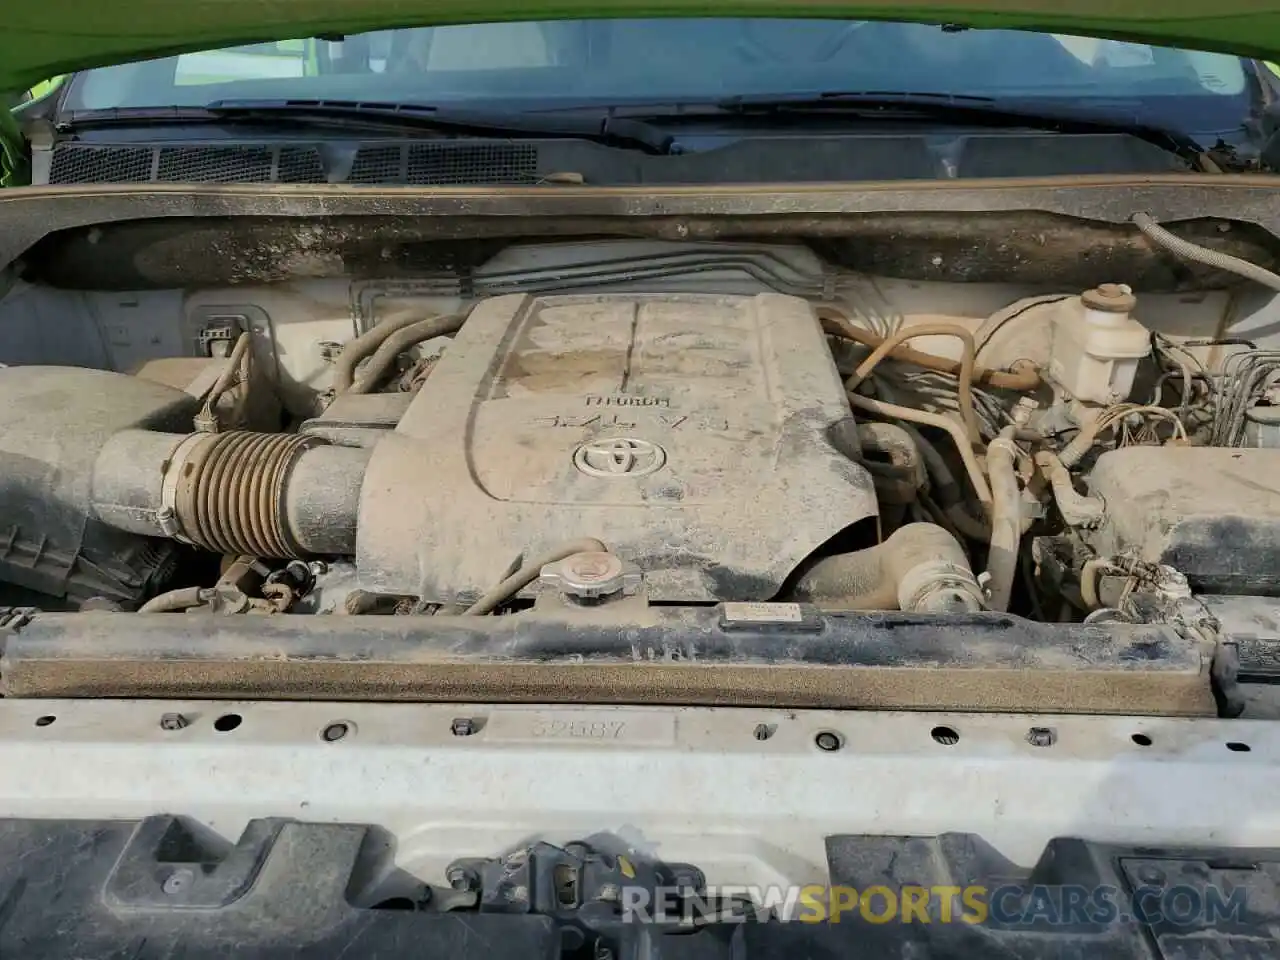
point(699, 437)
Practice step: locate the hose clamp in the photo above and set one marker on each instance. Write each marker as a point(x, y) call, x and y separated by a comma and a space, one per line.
point(939, 586)
point(179, 462)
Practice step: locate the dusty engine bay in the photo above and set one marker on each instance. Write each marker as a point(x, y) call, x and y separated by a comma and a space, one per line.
point(700, 437)
point(618, 428)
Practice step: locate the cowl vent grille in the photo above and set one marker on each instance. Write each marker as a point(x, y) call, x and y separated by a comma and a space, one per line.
point(101, 165)
point(418, 164)
point(185, 164)
point(441, 164)
point(239, 165)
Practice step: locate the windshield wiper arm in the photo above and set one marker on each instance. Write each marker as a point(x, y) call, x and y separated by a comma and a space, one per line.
point(964, 108)
point(602, 128)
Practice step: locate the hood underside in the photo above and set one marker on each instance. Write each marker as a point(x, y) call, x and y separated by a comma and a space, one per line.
point(59, 36)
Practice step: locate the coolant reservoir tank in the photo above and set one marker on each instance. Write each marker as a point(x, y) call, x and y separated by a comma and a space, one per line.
point(1097, 345)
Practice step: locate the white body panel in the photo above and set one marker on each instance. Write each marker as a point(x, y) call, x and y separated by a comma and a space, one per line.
point(688, 784)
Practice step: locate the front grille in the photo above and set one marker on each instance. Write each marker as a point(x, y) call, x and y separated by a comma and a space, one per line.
point(443, 164)
point(419, 164)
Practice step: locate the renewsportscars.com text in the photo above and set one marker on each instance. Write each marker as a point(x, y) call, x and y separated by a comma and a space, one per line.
point(1012, 905)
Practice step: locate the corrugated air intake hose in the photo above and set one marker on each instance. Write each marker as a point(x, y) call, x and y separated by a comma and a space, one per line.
point(258, 494)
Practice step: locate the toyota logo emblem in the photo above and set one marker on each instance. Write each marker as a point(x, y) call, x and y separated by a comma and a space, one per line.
point(622, 457)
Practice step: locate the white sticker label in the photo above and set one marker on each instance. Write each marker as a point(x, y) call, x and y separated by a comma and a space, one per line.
point(763, 612)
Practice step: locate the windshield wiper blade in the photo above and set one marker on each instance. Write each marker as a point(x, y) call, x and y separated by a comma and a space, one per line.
point(868, 98)
point(601, 128)
point(964, 108)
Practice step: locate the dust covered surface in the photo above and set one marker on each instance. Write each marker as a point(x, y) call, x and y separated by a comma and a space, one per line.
point(679, 656)
point(690, 432)
point(1212, 513)
point(1027, 247)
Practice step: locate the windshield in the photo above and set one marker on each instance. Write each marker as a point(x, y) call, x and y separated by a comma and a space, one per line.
point(533, 64)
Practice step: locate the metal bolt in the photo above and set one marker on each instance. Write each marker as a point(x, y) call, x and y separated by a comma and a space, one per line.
point(763, 731)
point(335, 731)
point(173, 721)
point(460, 878)
point(827, 741)
point(177, 881)
point(609, 893)
point(463, 727)
point(1041, 737)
